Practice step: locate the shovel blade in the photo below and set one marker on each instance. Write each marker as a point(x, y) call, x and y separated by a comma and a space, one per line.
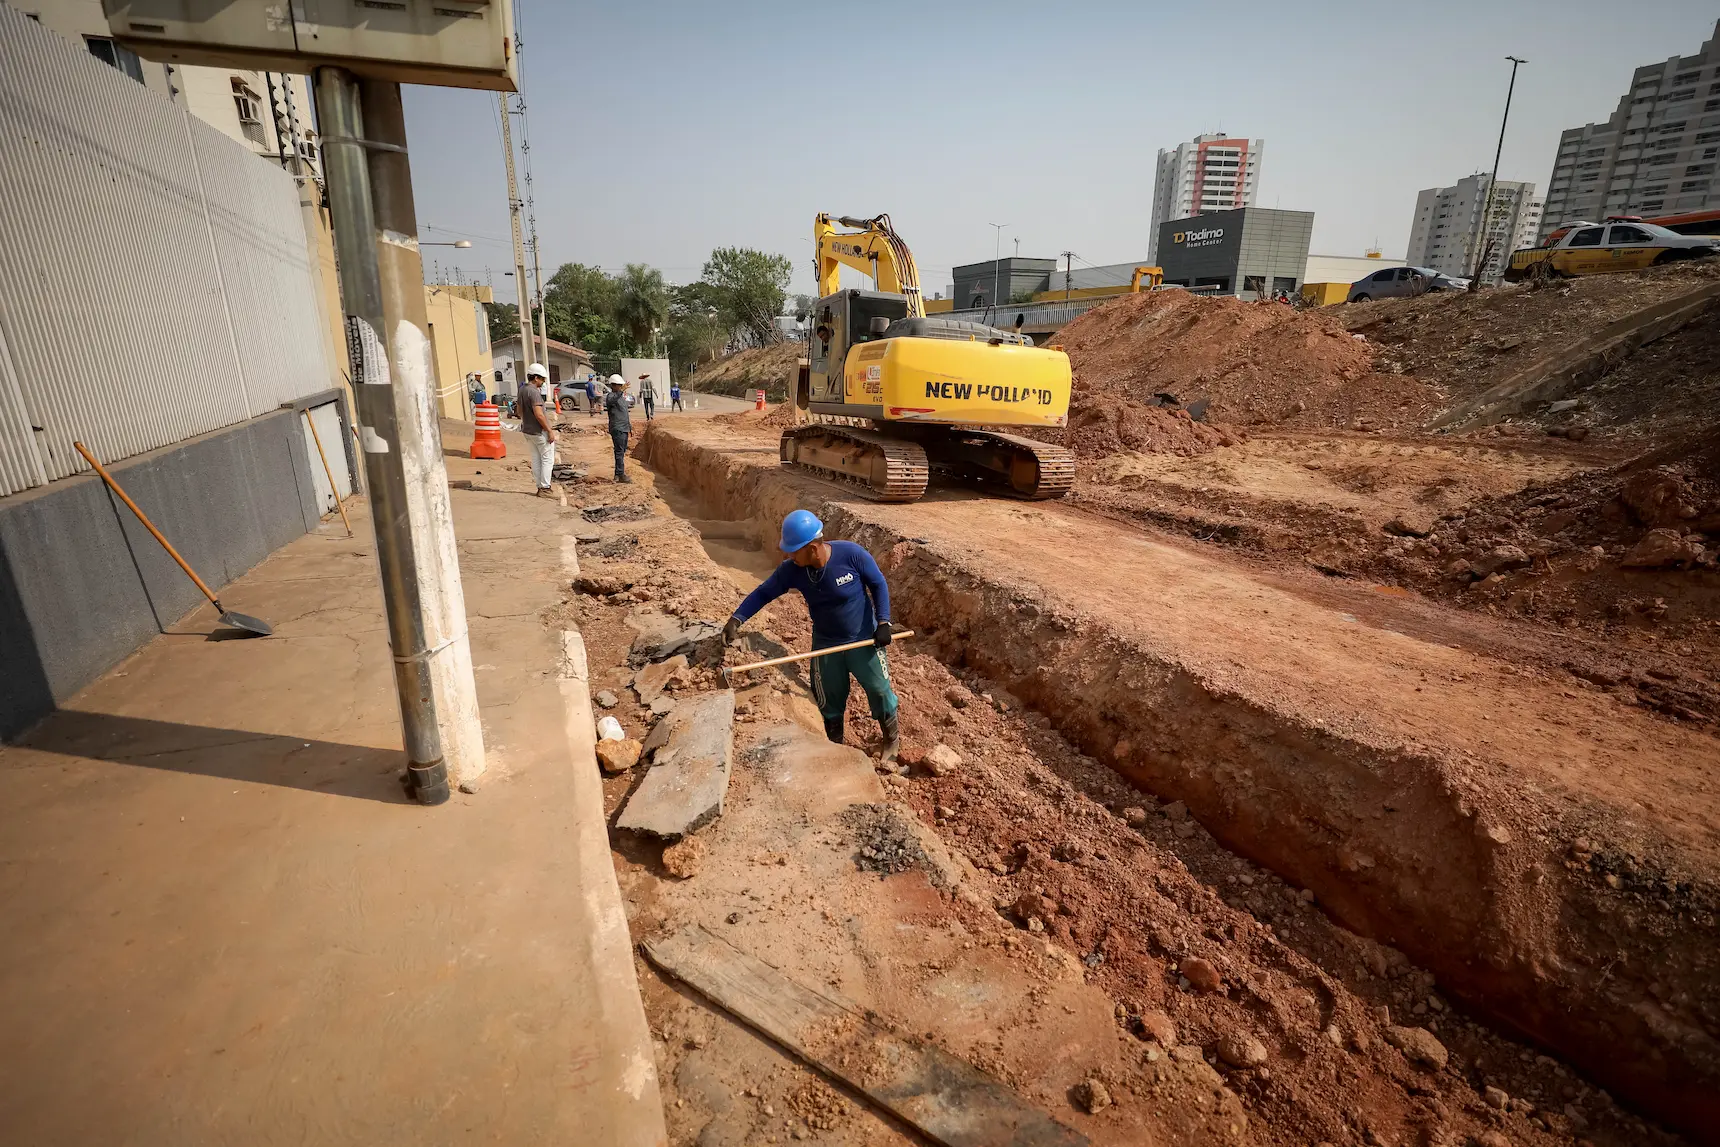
point(246, 623)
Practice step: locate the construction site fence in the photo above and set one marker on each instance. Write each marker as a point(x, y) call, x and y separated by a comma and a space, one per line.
point(155, 279)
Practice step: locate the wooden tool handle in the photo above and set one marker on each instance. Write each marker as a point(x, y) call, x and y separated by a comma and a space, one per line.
point(329, 471)
point(816, 653)
point(147, 524)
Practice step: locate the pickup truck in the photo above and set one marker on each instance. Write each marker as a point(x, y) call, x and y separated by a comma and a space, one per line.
point(1584, 248)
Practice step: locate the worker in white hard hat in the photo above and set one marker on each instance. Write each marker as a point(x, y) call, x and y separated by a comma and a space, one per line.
point(620, 425)
point(535, 425)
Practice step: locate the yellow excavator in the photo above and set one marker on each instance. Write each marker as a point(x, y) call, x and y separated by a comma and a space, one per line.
point(893, 394)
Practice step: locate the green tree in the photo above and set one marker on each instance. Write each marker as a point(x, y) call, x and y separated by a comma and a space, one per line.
point(504, 320)
point(582, 290)
point(642, 303)
point(748, 288)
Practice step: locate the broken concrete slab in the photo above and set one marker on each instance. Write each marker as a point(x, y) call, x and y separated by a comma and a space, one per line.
point(650, 681)
point(689, 778)
point(661, 636)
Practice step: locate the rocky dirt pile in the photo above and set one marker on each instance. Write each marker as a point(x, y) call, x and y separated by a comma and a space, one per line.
point(1462, 343)
point(770, 367)
point(774, 417)
point(1667, 390)
point(1103, 423)
point(1257, 363)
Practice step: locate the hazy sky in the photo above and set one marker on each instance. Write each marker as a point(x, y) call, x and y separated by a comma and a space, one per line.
point(663, 128)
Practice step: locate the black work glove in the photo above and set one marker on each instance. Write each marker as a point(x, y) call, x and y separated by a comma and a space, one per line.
point(881, 636)
point(731, 631)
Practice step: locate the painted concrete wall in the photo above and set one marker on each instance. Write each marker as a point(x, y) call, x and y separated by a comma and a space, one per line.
point(460, 342)
point(82, 583)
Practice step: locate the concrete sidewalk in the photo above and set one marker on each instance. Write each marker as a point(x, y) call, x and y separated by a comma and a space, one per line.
point(226, 924)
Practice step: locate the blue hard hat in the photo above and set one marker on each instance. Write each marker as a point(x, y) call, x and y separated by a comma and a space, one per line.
point(800, 528)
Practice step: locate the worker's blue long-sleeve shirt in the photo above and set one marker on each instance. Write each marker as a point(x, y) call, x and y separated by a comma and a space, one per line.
point(836, 596)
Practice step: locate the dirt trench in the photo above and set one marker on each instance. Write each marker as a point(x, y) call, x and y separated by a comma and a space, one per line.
point(1586, 926)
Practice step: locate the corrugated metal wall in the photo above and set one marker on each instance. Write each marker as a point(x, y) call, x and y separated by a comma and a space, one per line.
point(155, 281)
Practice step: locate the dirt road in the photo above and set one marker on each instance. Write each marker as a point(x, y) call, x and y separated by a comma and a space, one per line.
point(1548, 851)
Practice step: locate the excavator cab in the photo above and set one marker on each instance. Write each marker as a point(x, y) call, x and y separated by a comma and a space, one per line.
point(841, 322)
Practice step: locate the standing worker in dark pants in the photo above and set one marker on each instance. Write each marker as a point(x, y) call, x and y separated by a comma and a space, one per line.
point(846, 595)
point(648, 395)
point(620, 425)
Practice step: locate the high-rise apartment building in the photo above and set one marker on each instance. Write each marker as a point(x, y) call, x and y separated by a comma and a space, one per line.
point(1656, 155)
point(1447, 221)
point(1209, 173)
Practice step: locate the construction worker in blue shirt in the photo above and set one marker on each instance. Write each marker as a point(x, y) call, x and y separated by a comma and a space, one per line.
point(849, 601)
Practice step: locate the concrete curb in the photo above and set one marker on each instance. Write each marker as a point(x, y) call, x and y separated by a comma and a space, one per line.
point(1549, 379)
point(635, 1117)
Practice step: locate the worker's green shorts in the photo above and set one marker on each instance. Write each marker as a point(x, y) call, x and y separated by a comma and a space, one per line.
point(830, 682)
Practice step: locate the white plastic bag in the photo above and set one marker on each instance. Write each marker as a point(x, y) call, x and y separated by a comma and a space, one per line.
point(609, 729)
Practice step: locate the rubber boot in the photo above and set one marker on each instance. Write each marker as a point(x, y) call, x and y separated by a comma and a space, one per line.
point(833, 729)
point(892, 727)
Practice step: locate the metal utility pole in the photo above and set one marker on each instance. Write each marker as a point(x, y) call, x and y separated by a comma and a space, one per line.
point(524, 305)
point(531, 225)
point(996, 260)
point(382, 292)
point(1487, 204)
point(1068, 272)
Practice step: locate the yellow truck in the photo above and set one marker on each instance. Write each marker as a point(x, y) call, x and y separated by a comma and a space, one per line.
point(892, 394)
point(1584, 248)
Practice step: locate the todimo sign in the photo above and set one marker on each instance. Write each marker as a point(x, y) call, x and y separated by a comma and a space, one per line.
point(1205, 237)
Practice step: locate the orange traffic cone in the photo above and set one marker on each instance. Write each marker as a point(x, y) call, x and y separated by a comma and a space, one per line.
point(487, 432)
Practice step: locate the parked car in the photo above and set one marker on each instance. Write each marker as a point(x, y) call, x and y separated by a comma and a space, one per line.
point(1402, 282)
point(1584, 248)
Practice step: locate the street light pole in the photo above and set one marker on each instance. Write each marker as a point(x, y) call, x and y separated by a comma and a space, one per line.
point(996, 259)
point(1487, 204)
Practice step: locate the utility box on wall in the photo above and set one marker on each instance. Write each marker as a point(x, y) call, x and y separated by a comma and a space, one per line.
point(446, 43)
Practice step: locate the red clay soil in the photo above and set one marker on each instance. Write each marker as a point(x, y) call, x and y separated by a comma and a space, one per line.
point(1289, 1043)
point(1258, 363)
point(1465, 343)
point(769, 367)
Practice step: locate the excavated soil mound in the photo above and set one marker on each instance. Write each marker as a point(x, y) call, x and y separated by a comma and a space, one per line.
point(1257, 363)
point(1102, 424)
point(769, 367)
point(1464, 344)
point(773, 418)
point(1664, 392)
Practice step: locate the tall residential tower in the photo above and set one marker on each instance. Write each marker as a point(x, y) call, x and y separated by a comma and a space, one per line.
point(1656, 155)
point(1445, 228)
point(1209, 173)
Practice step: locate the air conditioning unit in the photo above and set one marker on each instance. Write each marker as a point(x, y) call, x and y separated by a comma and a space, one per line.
point(445, 43)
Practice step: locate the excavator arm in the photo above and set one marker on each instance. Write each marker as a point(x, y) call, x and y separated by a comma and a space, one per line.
point(873, 248)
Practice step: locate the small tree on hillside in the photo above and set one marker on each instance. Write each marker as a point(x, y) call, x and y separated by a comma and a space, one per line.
point(748, 288)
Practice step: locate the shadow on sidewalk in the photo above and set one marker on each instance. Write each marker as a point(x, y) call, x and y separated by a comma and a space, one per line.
point(260, 758)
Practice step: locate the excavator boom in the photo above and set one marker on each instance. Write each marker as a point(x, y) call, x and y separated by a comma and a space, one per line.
point(872, 248)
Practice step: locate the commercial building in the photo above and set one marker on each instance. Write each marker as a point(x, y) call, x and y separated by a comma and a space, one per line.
point(1248, 252)
point(1003, 281)
point(1447, 225)
point(1346, 268)
point(267, 112)
point(1656, 154)
point(1209, 173)
point(191, 373)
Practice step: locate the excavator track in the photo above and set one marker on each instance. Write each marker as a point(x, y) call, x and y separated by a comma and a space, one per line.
point(1039, 470)
point(882, 468)
point(1022, 467)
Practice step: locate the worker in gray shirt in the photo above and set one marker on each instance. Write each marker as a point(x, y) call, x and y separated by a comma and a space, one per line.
point(620, 425)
